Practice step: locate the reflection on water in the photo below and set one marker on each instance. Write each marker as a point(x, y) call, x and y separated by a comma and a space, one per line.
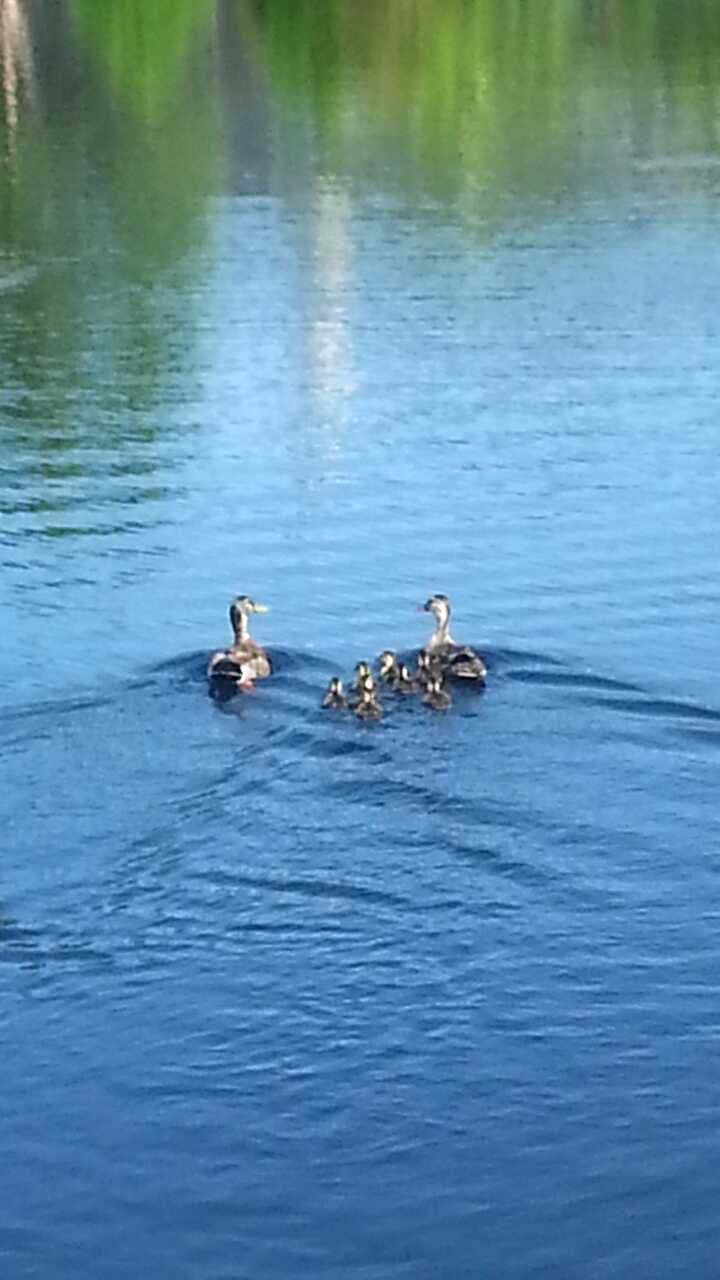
point(329, 331)
point(16, 62)
point(339, 305)
point(496, 102)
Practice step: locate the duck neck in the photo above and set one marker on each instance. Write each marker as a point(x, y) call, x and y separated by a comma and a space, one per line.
point(441, 635)
point(241, 629)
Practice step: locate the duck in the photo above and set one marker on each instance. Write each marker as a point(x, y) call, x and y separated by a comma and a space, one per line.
point(335, 696)
point(245, 659)
point(362, 673)
point(368, 707)
point(437, 697)
point(456, 661)
point(427, 669)
point(404, 681)
point(388, 667)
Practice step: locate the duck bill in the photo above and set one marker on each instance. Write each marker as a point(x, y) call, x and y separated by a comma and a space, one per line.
point(260, 608)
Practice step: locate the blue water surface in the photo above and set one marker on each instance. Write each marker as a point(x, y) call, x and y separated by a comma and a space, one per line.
point(284, 994)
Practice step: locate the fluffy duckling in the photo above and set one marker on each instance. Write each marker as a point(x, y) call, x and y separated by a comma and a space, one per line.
point(367, 706)
point(457, 661)
point(437, 697)
point(404, 682)
point(362, 671)
point(427, 669)
point(388, 666)
point(335, 696)
point(245, 657)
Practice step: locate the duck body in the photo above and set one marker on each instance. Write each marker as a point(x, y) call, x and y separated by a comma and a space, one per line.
point(368, 709)
point(245, 660)
point(388, 667)
point(454, 661)
point(437, 697)
point(405, 683)
point(226, 678)
point(460, 662)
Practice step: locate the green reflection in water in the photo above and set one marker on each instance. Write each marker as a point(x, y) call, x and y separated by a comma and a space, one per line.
point(144, 48)
point(109, 152)
point(476, 102)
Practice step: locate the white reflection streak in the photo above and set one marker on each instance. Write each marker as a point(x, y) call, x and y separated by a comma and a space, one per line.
point(330, 339)
point(15, 63)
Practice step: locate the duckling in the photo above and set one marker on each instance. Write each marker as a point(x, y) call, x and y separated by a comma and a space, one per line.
point(388, 665)
point(244, 653)
point(335, 696)
point(404, 682)
point(437, 697)
point(427, 669)
point(362, 671)
point(459, 662)
point(368, 707)
point(362, 674)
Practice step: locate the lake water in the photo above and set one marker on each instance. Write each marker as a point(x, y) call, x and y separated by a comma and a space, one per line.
point(339, 307)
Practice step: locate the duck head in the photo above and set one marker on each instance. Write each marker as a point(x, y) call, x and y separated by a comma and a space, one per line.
point(439, 606)
point(387, 662)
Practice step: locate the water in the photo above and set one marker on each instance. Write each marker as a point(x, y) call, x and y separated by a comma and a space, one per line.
point(339, 313)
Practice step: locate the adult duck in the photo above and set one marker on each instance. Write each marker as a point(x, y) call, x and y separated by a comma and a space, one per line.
point(245, 660)
point(456, 661)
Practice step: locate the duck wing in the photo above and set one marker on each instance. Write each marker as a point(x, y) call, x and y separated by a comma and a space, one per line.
point(253, 658)
point(460, 662)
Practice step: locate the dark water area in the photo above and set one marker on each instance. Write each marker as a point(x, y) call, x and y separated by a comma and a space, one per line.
point(339, 307)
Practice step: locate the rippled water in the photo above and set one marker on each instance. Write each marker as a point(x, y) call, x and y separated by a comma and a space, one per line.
point(339, 314)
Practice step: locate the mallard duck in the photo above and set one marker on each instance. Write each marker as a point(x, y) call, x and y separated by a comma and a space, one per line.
point(404, 681)
point(388, 667)
point(335, 696)
point(367, 707)
point(459, 662)
point(437, 697)
point(244, 654)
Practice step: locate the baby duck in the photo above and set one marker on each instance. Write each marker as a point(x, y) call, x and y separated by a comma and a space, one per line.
point(362, 671)
point(388, 665)
point(437, 697)
point(404, 682)
point(427, 669)
point(367, 706)
point(335, 696)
